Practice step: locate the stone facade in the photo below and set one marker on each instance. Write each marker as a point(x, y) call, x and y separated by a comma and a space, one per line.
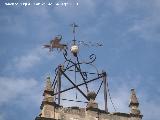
point(75, 113)
point(51, 111)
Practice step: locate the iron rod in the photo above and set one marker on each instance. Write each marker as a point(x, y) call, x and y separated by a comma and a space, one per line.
point(75, 85)
point(59, 84)
point(79, 68)
point(105, 90)
point(100, 76)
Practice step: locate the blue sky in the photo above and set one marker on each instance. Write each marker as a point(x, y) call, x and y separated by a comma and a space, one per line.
point(129, 30)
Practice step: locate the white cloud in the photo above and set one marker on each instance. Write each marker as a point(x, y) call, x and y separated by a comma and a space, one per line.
point(85, 8)
point(12, 24)
point(19, 92)
point(120, 96)
point(150, 110)
point(42, 21)
point(147, 28)
point(2, 116)
point(146, 23)
point(120, 91)
point(15, 89)
point(27, 61)
point(120, 6)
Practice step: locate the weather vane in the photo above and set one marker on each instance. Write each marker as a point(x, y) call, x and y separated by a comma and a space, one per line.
point(77, 67)
point(55, 43)
point(74, 47)
point(74, 30)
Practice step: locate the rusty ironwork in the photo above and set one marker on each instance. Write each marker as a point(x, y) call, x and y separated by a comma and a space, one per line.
point(76, 66)
point(55, 43)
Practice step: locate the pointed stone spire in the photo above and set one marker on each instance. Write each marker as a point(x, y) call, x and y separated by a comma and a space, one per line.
point(48, 91)
point(48, 86)
point(134, 103)
point(48, 103)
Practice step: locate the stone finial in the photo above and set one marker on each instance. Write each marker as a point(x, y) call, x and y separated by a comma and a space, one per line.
point(92, 104)
point(48, 86)
point(48, 91)
point(48, 104)
point(133, 98)
point(91, 95)
point(134, 103)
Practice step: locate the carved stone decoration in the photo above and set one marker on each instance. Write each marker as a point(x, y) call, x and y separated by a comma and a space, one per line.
point(134, 103)
point(92, 103)
point(91, 95)
point(48, 86)
point(47, 113)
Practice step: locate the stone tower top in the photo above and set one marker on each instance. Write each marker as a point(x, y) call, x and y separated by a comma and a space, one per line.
point(133, 99)
point(48, 86)
point(134, 110)
point(86, 82)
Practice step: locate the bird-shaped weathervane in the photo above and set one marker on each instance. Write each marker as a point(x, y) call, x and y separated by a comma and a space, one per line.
point(55, 43)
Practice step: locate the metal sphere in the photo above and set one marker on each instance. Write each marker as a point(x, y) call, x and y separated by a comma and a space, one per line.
point(74, 49)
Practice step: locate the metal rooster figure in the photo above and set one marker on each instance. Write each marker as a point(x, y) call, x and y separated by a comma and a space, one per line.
point(55, 43)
